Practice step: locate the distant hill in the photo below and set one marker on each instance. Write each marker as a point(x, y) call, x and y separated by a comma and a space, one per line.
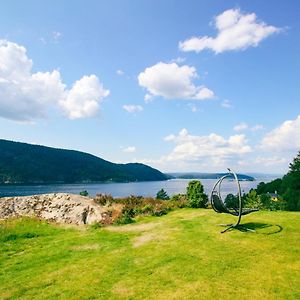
point(196, 175)
point(30, 164)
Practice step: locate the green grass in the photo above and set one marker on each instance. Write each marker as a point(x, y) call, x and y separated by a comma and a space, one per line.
point(178, 256)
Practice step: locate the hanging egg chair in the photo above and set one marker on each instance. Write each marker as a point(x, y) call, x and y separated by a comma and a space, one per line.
point(220, 207)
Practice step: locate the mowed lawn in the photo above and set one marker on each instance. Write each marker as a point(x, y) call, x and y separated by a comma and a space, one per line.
point(181, 255)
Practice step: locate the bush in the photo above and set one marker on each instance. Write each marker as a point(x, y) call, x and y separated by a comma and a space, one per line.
point(124, 210)
point(269, 204)
point(252, 200)
point(103, 199)
point(127, 216)
point(232, 201)
point(84, 193)
point(195, 194)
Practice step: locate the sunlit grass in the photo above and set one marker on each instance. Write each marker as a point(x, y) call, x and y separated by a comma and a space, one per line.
point(178, 256)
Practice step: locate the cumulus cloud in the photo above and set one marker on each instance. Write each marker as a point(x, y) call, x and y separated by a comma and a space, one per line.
point(171, 81)
point(240, 127)
point(129, 149)
point(235, 31)
point(210, 153)
point(82, 100)
point(213, 146)
point(132, 108)
point(286, 137)
point(244, 126)
point(25, 96)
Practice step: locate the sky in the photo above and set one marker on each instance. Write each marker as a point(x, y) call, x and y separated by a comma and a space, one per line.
point(183, 86)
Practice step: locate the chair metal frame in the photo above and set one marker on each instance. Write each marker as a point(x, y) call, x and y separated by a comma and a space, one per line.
point(219, 206)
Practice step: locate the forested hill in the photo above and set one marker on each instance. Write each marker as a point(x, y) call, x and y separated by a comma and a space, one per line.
point(197, 175)
point(26, 163)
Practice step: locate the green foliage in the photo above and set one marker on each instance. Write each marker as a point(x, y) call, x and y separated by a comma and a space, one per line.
point(232, 201)
point(269, 204)
point(124, 210)
point(291, 185)
point(288, 187)
point(252, 200)
point(103, 199)
point(195, 194)
point(127, 216)
point(84, 193)
point(162, 195)
point(270, 187)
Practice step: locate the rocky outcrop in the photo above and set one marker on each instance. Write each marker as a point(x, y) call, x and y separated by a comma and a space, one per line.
point(60, 208)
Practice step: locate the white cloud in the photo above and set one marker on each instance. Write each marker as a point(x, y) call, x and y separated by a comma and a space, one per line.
point(172, 81)
point(120, 72)
point(25, 96)
point(257, 127)
point(240, 127)
point(132, 108)
point(207, 153)
point(83, 98)
point(270, 161)
point(286, 137)
point(226, 104)
point(236, 31)
point(178, 60)
point(129, 149)
point(148, 98)
point(212, 146)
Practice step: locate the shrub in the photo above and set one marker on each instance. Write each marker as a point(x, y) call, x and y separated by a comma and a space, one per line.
point(104, 199)
point(252, 200)
point(269, 204)
point(232, 201)
point(84, 193)
point(123, 210)
point(127, 216)
point(195, 194)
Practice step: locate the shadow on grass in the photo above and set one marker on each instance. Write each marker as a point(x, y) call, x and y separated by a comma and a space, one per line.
point(260, 228)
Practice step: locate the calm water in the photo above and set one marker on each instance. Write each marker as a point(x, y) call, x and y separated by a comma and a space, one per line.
point(172, 187)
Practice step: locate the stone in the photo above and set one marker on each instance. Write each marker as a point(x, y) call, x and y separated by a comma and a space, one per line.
point(58, 207)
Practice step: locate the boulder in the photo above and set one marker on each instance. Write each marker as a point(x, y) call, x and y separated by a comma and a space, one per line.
point(60, 208)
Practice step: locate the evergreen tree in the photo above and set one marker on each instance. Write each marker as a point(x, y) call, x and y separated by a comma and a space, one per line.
point(162, 195)
point(291, 185)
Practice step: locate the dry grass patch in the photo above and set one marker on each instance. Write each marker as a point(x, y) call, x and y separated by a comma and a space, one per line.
point(86, 247)
point(134, 227)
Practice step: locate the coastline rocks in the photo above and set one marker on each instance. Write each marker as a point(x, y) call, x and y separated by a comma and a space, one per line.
point(60, 208)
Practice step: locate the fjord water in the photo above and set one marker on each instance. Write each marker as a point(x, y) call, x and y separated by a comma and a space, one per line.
point(150, 188)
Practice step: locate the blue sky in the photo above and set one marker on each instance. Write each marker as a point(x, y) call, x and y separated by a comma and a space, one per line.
point(179, 85)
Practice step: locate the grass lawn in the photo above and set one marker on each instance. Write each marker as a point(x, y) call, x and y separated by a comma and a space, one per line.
point(178, 256)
